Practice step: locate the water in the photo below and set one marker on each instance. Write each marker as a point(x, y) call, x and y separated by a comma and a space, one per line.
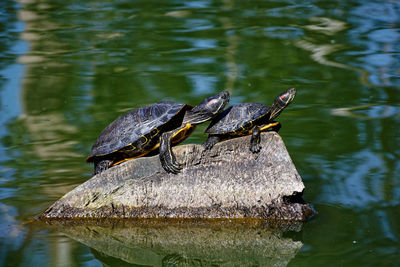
point(68, 68)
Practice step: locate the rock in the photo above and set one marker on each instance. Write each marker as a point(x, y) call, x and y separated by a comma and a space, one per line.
point(227, 181)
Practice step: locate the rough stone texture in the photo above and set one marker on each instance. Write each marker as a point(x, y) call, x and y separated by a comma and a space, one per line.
point(226, 182)
point(186, 243)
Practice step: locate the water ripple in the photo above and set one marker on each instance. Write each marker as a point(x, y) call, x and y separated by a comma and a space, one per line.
point(296, 11)
point(281, 32)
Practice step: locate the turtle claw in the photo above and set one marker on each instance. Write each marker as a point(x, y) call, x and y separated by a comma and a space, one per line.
point(175, 168)
point(171, 166)
point(255, 148)
point(207, 145)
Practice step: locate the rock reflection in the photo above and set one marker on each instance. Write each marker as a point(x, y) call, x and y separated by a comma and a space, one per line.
point(177, 243)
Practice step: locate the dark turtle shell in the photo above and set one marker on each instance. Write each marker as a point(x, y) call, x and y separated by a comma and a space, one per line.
point(143, 123)
point(238, 118)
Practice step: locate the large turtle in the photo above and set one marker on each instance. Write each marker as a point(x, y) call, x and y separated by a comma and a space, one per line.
point(143, 130)
point(247, 119)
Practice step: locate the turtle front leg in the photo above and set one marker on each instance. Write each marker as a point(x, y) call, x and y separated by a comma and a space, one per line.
point(167, 157)
point(211, 141)
point(255, 140)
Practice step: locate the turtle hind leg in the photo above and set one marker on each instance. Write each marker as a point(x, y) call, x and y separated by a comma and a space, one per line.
point(167, 157)
point(211, 141)
point(255, 140)
point(101, 165)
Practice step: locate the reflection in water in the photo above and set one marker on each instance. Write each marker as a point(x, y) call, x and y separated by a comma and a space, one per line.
point(233, 41)
point(377, 29)
point(326, 26)
point(321, 52)
point(370, 111)
point(185, 243)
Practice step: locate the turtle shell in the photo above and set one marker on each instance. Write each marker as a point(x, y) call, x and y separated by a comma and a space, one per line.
point(237, 118)
point(138, 123)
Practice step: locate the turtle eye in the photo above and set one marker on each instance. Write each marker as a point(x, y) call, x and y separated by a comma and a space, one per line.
point(225, 95)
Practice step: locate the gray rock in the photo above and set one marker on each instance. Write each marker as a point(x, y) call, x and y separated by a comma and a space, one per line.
point(227, 181)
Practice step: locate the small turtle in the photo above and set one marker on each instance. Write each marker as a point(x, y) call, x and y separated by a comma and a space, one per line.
point(143, 130)
point(247, 119)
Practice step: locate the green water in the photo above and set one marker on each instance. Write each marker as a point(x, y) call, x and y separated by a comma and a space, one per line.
point(68, 68)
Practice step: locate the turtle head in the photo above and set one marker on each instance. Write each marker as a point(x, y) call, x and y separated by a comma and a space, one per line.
point(207, 109)
point(281, 102)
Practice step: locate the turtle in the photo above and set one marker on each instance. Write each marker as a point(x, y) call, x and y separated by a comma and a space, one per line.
point(156, 126)
point(247, 119)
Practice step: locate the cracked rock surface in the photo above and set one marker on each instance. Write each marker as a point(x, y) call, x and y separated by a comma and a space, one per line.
point(227, 181)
